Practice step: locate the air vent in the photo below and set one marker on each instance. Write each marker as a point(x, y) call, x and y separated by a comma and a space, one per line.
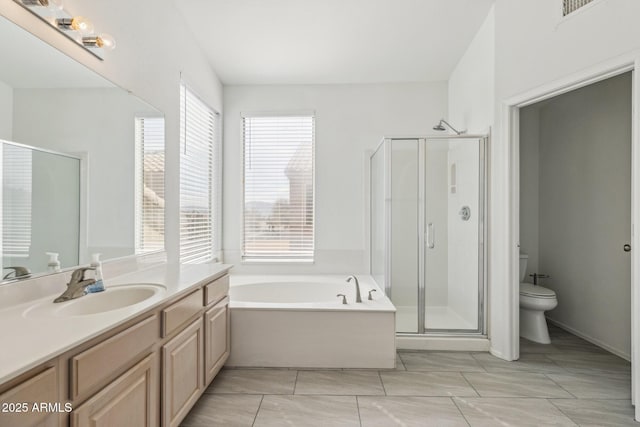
point(569, 6)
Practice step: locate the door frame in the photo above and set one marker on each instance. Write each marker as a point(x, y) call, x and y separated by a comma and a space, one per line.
point(509, 115)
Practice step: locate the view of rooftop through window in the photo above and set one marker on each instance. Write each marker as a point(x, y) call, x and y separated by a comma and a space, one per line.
point(278, 187)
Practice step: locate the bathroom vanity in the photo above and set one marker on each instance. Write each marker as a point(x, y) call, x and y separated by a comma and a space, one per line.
point(145, 364)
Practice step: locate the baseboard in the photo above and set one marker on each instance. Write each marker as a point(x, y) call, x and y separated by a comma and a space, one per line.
point(442, 343)
point(592, 340)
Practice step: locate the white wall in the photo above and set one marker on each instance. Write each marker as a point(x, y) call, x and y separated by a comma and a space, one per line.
point(584, 208)
point(534, 46)
point(6, 111)
point(350, 119)
point(529, 186)
point(154, 47)
point(99, 123)
point(471, 84)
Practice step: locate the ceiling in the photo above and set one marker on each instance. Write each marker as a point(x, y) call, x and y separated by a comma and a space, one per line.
point(333, 41)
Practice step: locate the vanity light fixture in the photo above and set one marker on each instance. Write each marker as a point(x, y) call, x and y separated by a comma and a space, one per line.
point(104, 41)
point(53, 4)
point(77, 28)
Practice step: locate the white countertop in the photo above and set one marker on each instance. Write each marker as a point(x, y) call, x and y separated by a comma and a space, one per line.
point(27, 341)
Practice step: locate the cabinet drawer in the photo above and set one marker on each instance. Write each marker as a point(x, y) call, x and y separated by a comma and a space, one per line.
point(177, 314)
point(216, 290)
point(130, 400)
point(93, 368)
point(40, 389)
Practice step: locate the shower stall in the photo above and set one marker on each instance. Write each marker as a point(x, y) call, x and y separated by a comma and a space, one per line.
point(428, 232)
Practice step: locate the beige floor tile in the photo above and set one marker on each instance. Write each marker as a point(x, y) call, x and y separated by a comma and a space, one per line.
point(440, 361)
point(254, 381)
point(498, 412)
point(446, 384)
point(601, 413)
point(588, 363)
point(527, 363)
point(223, 410)
point(348, 382)
point(388, 411)
point(521, 384)
point(609, 386)
point(308, 411)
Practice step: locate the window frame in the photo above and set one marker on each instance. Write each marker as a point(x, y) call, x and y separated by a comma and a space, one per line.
point(269, 259)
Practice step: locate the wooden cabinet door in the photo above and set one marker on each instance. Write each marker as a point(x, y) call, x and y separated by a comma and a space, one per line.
point(183, 378)
point(18, 402)
point(216, 338)
point(130, 400)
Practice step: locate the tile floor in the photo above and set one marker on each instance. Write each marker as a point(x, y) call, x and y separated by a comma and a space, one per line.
point(569, 382)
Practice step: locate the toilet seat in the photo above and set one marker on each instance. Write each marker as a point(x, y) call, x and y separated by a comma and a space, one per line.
point(536, 291)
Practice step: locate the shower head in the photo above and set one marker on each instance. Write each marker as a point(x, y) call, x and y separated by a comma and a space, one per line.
point(440, 127)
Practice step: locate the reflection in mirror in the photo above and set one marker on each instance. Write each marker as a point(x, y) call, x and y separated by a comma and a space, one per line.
point(40, 208)
point(50, 102)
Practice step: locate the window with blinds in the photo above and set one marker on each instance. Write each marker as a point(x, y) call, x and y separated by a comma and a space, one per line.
point(149, 212)
point(200, 180)
point(278, 187)
point(569, 6)
point(17, 168)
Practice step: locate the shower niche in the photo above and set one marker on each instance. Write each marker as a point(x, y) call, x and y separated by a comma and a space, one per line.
point(427, 232)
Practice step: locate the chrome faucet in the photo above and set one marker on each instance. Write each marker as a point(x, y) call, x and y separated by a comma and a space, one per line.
point(76, 286)
point(358, 297)
point(17, 272)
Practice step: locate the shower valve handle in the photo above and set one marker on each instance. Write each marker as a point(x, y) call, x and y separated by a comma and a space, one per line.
point(344, 298)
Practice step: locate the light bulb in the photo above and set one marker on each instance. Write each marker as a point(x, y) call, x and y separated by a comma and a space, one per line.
point(106, 41)
point(81, 24)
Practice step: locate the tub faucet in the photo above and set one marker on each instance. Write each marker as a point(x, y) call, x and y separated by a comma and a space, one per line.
point(76, 286)
point(355, 279)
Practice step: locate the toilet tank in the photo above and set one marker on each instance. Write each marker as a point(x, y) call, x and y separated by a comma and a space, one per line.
point(523, 266)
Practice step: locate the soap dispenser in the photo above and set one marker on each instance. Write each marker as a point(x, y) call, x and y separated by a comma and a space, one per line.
point(54, 263)
point(97, 266)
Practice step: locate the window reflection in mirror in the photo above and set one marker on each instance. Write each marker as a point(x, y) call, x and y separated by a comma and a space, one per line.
point(50, 102)
point(40, 208)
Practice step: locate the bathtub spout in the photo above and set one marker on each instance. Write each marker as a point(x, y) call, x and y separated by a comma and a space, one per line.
point(358, 298)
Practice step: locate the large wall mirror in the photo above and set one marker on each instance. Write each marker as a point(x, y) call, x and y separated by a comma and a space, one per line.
point(82, 161)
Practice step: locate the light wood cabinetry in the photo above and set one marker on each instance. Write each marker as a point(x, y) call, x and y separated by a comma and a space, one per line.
point(182, 370)
point(217, 338)
point(18, 402)
point(178, 313)
point(130, 400)
point(147, 372)
point(92, 367)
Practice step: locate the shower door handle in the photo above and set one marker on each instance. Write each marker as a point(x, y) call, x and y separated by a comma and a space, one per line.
point(431, 236)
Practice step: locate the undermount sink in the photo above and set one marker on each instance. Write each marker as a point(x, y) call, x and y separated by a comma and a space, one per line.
point(113, 298)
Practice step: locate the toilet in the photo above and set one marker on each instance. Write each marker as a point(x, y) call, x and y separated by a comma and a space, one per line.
point(534, 301)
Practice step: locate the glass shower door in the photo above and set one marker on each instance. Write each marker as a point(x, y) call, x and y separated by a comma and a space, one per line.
point(453, 217)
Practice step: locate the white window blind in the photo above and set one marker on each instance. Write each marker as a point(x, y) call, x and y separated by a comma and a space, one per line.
point(17, 168)
point(149, 135)
point(569, 6)
point(278, 187)
point(200, 180)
